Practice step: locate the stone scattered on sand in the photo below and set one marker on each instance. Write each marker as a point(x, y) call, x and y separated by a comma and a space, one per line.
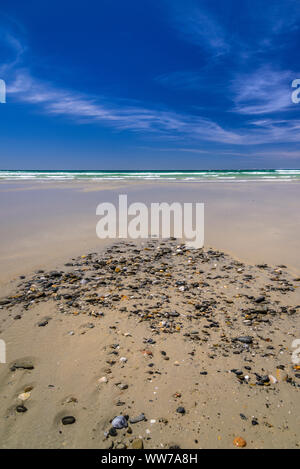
point(272, 379)
point(198, 310)
point(113, 431)
point(24, 396)
point(281, 375)
point(239, 442)
point(102, 380)
point(137, 419)
point(21, 409)
point(28, 388)
point(68, 420)
point(137, 444)
point(119, 422)
point(180, 410)
point(43, 323)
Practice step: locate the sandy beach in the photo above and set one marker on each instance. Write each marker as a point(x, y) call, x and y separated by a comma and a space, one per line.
point(192, 347)
point(149, 229)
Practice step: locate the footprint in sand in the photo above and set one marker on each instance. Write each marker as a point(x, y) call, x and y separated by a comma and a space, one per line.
point(26, 363)
point(16, 372)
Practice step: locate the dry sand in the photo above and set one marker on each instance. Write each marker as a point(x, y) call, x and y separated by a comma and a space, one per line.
point(71, 346)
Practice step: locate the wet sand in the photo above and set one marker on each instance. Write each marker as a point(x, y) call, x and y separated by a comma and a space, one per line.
point(44, 223)
point(206, 337)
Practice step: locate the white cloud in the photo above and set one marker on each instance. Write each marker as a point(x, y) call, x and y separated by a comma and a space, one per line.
point(201, 29)
point(81, 108)
point(263, 92)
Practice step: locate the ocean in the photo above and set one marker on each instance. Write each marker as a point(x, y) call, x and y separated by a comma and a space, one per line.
point(167, 175)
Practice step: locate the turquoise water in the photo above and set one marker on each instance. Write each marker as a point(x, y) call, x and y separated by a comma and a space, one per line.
point(170, 175)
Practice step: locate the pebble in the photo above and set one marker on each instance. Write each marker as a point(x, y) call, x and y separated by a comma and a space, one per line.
point(113, 431)
point(272, 379)
point(137, 419)
point(68, 420)
point(102, 380)
point(137, 444)
point(245, 339)
point(24, 396)
point(119, 422)
point(239, 442)
point(180, 410)
point(21, 409)
point(43, 323)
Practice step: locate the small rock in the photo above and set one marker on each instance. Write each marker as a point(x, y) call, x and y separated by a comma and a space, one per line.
point(21, 409)
point(260, 299)
point(68, 420)
point(102, 380)
point(137, 444)
point(245, 339)
point(24, 396)
point(239, 442)
point(272, 379)
point(113, 431)
point(43, 323)
point(180, 410)
point(119, 422)
point(137, 419)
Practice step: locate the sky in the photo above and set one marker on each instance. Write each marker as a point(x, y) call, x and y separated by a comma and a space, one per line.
point(149, 84)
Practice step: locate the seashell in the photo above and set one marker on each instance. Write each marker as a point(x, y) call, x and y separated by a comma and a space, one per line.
point(119, 422)
point(102, 380)
point(24, 396)
point(272, 379)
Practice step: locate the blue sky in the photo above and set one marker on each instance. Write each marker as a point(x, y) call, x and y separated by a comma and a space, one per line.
point(149, 84)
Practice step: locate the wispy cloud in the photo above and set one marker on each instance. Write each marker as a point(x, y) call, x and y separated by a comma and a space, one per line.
point(84, 109)
point(164, 123)
point(277, 130)
point(263, 92)
point(200, 28)
point(16, 50)
point(185, 79)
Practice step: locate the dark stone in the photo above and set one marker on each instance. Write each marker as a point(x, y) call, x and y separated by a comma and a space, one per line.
point(112, 431)
point(21, 409)
point(260, 299)
point(244, 339)
point(137, 419)
point(43, 323)
point(69, 420)
point(180, 410)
